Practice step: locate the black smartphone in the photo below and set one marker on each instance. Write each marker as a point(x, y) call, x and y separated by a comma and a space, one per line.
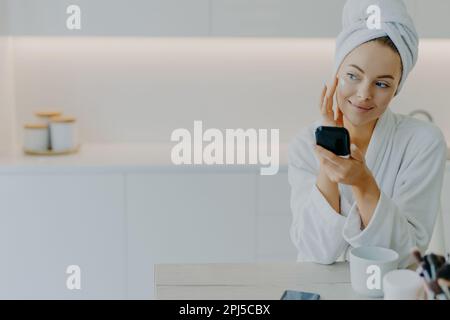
point(334, 139)
point(299, 295)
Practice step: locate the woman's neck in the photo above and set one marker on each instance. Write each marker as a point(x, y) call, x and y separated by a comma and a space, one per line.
point(360, 135)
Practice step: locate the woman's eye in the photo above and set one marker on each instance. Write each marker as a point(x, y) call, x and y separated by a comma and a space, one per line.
point(382, 85)
point(351, 76)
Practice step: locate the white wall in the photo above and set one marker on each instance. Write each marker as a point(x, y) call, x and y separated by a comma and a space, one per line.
point(428, 83)
point(7, 112)
point(6, 82)
point(140, 89)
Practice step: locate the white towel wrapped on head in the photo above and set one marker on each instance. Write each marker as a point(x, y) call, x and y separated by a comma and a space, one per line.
point(395, 23)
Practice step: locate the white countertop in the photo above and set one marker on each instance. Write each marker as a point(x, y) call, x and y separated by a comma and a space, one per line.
point(119, 157)
point(253, 281)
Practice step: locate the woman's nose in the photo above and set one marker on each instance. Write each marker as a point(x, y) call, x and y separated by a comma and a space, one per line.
point(364, 91)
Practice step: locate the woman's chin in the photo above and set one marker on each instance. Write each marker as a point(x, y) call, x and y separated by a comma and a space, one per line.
point(357, 120)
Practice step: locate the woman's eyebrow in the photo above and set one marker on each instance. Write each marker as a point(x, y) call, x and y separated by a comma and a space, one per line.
point(362, 71)
point(386, 76)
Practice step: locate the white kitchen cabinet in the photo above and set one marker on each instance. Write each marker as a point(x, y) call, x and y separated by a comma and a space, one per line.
point(49, 222)
point(273, 240)
point(433, 18)
point(3, 17)
point(276, 18)
point(187, 218)
point(117, 224)
point(201, 18)
point(274, 218)
point(288, 18)
point(111, 17)
point(274, 194)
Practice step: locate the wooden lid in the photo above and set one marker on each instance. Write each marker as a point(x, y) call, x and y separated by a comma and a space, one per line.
point(62, 119)
point(35, 126)
point(48, 113)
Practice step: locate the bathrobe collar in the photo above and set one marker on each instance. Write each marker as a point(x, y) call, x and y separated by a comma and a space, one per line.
point(381, 142)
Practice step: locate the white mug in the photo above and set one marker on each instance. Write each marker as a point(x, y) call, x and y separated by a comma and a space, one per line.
point(402, 285)
point(368, 265)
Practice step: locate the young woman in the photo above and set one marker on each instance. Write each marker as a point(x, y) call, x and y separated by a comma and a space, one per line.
point(388, 192)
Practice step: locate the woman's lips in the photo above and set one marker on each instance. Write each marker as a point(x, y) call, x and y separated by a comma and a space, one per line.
point(361, 108)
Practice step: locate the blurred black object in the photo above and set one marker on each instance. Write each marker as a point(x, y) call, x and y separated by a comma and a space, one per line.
point(435, 269)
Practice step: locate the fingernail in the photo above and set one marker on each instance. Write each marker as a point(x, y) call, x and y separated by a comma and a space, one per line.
point(353, 146)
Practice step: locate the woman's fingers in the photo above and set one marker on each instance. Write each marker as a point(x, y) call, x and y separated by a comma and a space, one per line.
point(324, 107)
point(339, 117)
point(332, 89)
point(322, 98)
point(330, 94)
point(326, 104)
point(328, 155)
point(331, 169)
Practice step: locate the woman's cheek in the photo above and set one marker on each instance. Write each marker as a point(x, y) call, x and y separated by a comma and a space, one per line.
point(342, 84)
point(345, 88)
point(340, 98)
point(383, 99)
point(344, 91)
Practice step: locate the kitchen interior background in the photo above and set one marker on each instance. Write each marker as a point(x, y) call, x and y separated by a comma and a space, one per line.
point(135, 72)
point(139, 89)
point(128, 90)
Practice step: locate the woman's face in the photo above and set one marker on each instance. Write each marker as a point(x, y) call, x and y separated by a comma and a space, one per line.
point(368, 79)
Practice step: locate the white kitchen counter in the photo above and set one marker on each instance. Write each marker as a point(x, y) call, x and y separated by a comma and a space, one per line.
point(65, 209)
point(252, 281)
point(116, 158)
point(119, 158)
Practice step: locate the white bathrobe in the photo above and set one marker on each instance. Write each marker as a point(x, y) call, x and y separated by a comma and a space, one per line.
point(407, 158)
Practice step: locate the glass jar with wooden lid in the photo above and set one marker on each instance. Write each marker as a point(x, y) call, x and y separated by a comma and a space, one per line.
point(44, 116)
point(36, 137)
point(63, 133)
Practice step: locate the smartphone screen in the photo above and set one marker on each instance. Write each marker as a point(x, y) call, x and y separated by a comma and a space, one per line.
point(299, 295)
point(334, 139)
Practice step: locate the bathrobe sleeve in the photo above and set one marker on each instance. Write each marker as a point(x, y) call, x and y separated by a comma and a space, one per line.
point(316, 230)
point(406, 219)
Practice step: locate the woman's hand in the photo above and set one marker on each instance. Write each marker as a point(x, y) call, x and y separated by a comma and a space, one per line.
point(352, 171)
point(326, 186)
point(330, 117)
